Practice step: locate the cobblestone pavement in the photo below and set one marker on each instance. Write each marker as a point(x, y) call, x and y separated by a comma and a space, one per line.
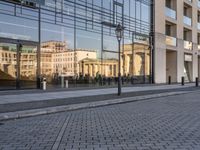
point(168, 123)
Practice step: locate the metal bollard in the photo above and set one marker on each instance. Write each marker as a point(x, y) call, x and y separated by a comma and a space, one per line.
point(169, 80)
point(197, 82)
point(66, 84)
point(44, 84)
point(182, 81)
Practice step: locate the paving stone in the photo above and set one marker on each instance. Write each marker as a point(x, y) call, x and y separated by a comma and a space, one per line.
point(168, 123)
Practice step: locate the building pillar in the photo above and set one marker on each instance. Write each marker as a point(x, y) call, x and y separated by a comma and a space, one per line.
point(99, 69)
point(180, 60)
point(125, 64)
point(159, 66)
point(93, 69)
point(160, 58)
point(112, 70)
point(198, 65)
point(83, 68)
point(195, 62)
point(90, 69)
point(106, 70)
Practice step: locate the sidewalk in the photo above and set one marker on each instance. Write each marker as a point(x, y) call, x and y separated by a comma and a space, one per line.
point(20, 98)
point(13, 105)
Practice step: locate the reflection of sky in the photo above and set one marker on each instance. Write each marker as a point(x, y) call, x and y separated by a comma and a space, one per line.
point(88, 40)
point(14, 27)
point(18, 26)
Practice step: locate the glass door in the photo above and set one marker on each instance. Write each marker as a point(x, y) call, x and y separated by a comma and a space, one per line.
point(27, 66)
point(18, 64)
point(8, 65)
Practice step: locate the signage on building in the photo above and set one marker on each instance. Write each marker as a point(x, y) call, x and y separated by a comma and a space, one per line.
point(188, 57)
point(141, 38)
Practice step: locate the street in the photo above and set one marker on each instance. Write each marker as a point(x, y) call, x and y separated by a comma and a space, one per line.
point(167, 123)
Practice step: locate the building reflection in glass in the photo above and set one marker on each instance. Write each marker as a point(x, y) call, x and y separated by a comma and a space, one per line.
point(57, 60)
point(75, 43)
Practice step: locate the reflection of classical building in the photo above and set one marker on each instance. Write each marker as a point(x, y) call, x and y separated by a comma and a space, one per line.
point(66, 40)
point(136, 59)
point(54, 46)
point(51, 57)
point(106, 67)
point(56, 58)
point(81, 54)
point(8, 59)
point(46, 63)
point(28, 65)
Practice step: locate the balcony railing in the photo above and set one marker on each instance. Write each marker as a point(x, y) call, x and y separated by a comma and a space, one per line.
point(198, 25)
point(170, 13)
point(187, 20)
point(171, 41)
point(188, 45)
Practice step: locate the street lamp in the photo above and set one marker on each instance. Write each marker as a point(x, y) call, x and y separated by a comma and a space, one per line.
point(119, 34)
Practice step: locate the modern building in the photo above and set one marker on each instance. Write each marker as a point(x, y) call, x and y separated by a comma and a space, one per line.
point(51, 38)
point(177, 40)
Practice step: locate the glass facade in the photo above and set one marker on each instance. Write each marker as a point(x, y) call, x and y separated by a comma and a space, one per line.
point(74, 40)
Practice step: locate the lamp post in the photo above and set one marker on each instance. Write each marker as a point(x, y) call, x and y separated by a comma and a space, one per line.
point(119, 34)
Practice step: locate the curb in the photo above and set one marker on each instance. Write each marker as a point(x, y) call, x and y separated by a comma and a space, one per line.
point(56, 109)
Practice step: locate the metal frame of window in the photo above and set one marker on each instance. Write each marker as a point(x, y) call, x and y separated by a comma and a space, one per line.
point(59, 16)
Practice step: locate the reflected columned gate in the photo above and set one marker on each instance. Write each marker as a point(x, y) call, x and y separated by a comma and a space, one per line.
point(69, 39)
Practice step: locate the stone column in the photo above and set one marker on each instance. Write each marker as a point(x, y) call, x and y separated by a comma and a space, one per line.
point(93, 70)
point(83, 68)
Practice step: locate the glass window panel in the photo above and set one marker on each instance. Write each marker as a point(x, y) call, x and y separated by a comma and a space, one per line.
point(110, 43)
point(58, 31)
point(88, 46)
point(127, 57)
point(18, 28)
point(126, 7)
point(138, 10)
point(8, 63)
point(132, 8)
point(57, 53)
point(109, 64)
point(145, 13)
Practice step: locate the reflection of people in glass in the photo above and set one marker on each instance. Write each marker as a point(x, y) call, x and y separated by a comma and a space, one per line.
point(97, 76)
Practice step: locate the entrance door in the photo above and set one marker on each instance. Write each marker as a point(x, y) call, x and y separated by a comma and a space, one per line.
point(27, 66)
point(18, 64)
point(171, 65)
point(188, 67)
point(8, 65)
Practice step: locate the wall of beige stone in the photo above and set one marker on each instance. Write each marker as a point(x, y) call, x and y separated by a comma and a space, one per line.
point(161, 48)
